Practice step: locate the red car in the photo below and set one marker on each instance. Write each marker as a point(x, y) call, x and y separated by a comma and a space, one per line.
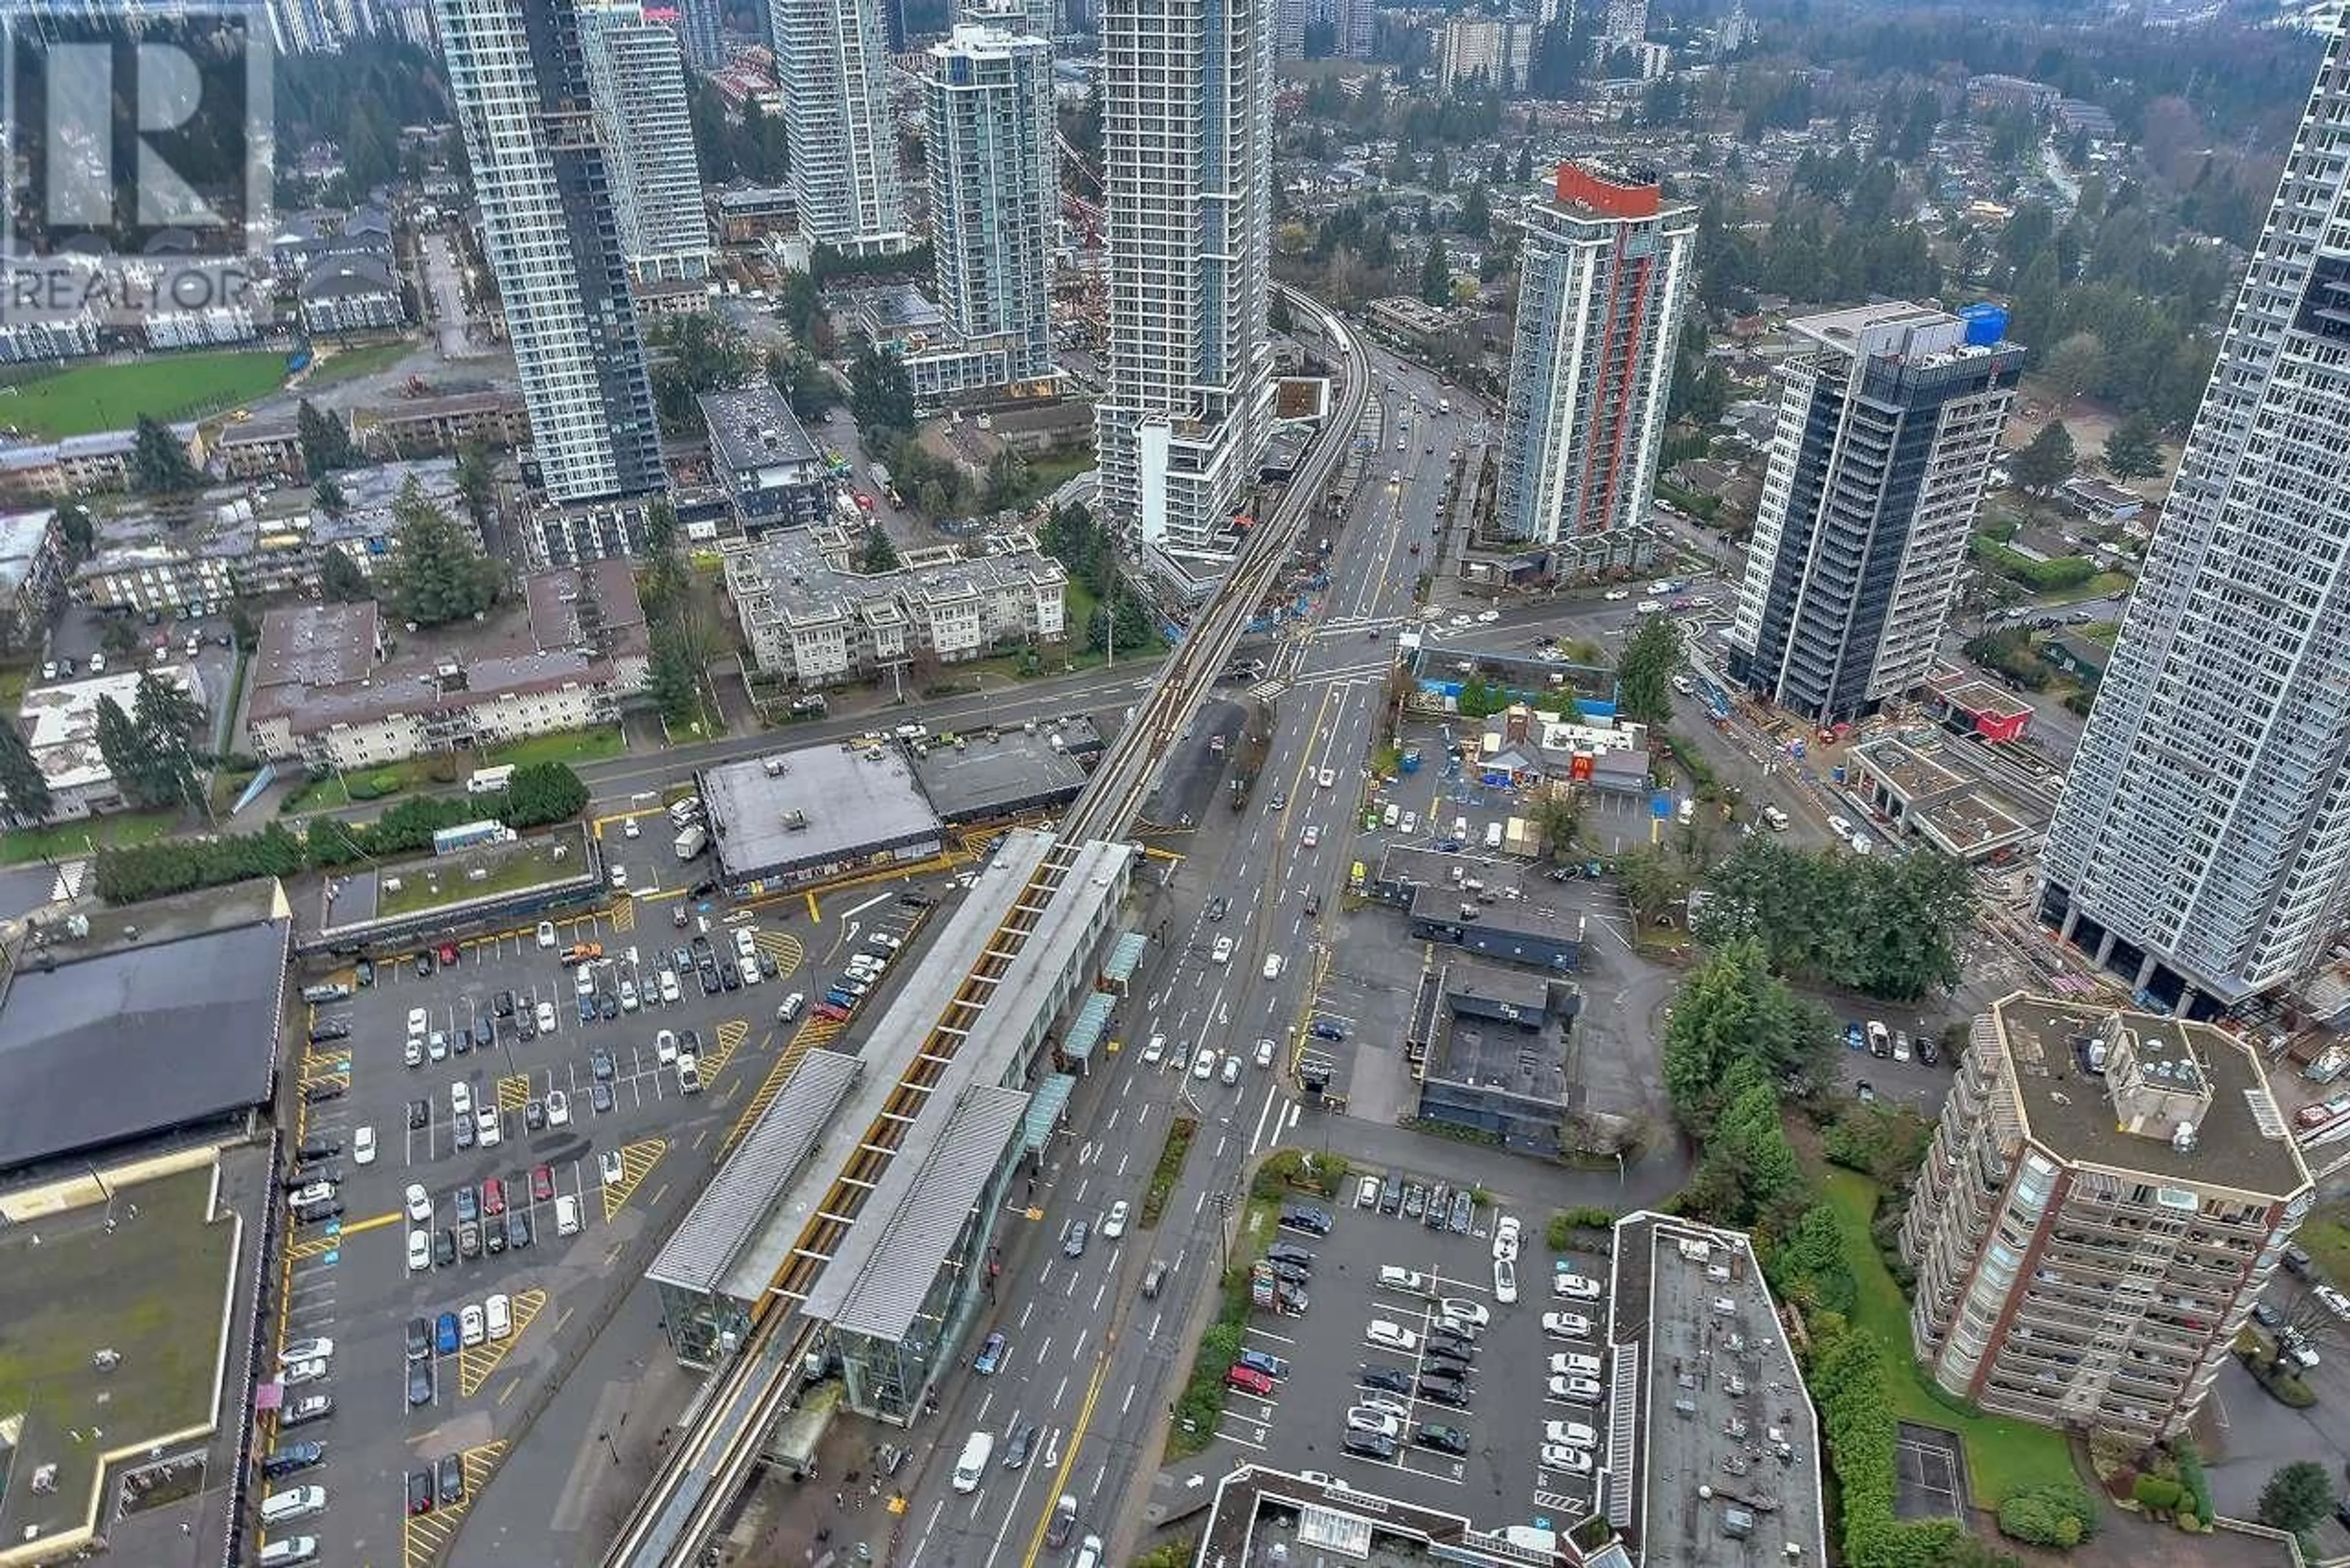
point(542, 1184)
point(448, 954)
point(836, 1014)
point(1249, 1380)
point(493, 1196)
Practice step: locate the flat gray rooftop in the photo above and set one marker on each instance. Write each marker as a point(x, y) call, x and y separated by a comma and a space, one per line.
point(710, 1242)
point(997, 774)
point(160, 1033)
point(1694, 1357)
point(825, 803)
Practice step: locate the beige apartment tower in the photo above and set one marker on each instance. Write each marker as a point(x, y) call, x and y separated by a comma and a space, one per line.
point(2106, 1195)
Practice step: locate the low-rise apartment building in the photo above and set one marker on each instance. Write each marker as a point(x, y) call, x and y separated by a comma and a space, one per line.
point(436, 426)
point(2106, 1195)
point(32, 570)
point(774, 475)
point(60, 727)
point(324, 693)
point(79, 465)
point(813, 620)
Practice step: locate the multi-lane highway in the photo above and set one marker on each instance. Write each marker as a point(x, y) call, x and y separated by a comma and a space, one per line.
point(1089, 1362)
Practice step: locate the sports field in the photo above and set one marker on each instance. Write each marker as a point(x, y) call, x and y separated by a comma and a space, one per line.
point(88, 398)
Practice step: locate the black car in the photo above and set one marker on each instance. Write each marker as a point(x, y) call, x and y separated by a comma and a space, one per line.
point(461, 1042)
point(444, 1247)
point(322, 1091)
point(729, 977)
point(2266, 1315)
point(419, 1382)
point(485, 1033)
point(534, 1116)
point(709, 975)
point(420, 1492)
point(291, 1458)
point(609, 1004)
point(318, 1213)
point(364, 973)
point(423, 966)
point(1016, 1453)
point(318, 1148)
point(1289, 1252)
point(332, 1029)
point(1928, 1050)
point(703, 889)
point(494, 1236)
point(527, 1026)
point(601, 1096)
point(1326, 1029)
point(767, 970)
point(452, 1480)
point(1444, 1339)
point(505, 1004)
point(463, 1129)
point(1289, 1273)
point(1218, 906)
point(600, 1063)
point(420, 1113)
point(916, 900)
point(1369, 1446)
point(1313, 903)
point(305, 1175)
point(1439, 1203)
point(419, 1337)
point(517, 1229)
point(1306, 1217)
point(1389, 1379)
point(1448, 1439)
point(1449, 1391)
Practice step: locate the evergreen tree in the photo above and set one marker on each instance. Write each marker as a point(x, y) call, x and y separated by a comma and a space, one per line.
point(126, 755)
point(1436, 274)
point(880, 393)
point(880, 556)
point(1477, 212)
point(1644, 673)
point(159, 462)
point(326, 441)
point(330, 497)
point(341, 579)
point(2130, 451)
point(660, 526)
point(1524, 173)
point(2296, 1497)
point(2048, 461)
point(165, 713)
point(24, 791)
point(477, 480)
point(437, 574)
point(78, 531)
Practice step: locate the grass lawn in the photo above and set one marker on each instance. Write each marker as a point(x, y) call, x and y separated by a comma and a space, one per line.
point(425, 885)
point(572, 746)
point(168, 386)
point(68, 840)
point(2325, 1237)
point(2096, 587)
point(151, 1291)
point(2002, 1455)
point(340, 365)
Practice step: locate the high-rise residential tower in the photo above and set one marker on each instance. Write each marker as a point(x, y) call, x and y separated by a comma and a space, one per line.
point(518, 77)
point(833, 68)
point(2106, 1195)
point(1187, 169)
point(1604, 281)
point(1036, 19)
point(1888, 425)
point(698, 30)
point(636, 70)
point(2202, 846)
point(994, 200)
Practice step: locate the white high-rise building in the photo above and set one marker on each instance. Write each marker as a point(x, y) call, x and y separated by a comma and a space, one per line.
point(994, 199)
point(833, 66)
point(2202, 846)
point(518, 78)
point(636, 69)
point(1605, 281)
point(1187, 144)
point(1886, 428)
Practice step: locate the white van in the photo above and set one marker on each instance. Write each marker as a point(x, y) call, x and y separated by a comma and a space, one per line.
point(789, 1012)
point(290, 1551)
point(293, 1504)
point(1389, 815)
point(567, 1214)
point(970, 1469)
point(1493, 836)
point(1460, 828)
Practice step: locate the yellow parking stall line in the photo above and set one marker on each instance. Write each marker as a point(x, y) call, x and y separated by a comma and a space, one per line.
point(782, 947)
point(336, 1072)
point(624, 913)
point(312, 1246)
point(636, 1160)
point(375, 1222)
point(769, 1087)
point(476, 1364)
point(814, 914)
point(423, 1536)
point(513, 1091)
point(730, 1037)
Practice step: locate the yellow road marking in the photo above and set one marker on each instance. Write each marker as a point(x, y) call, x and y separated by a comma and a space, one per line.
point(424, 1536)
point(815, 1032)
point(624, 913)
point(354, 1227)
point(814, 913)
point(1068, 1456)
point(312, 1247)
point(476, 1363)
point(635, 1159)
point(730, 1037)
point(513, 1091)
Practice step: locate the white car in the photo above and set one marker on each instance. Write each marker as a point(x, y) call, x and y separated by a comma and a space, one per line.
point(1649, 607)
point(546, 933)
point(1506, 1231)
point(629, 829)
point(559, 1109)
point(1232, 1073)
point(1506, 1281)
point(746, 944)
point(1113, 1223)
point(1573, 1363)
point(1363, 1418)
point(665, 1046)
point(414, 1054)
point(1265, 1052)
point(1272, 966)
point(1487, 618)
point(620, 876)
point(1222, 951)
point(436, 1047)
point(1311, 836)
point(1574, 1287)
point(420, 1203)
point(471, 1329)
point(2333, 1300)
point(668, 988)
point(1581, 1390)
point(309, 1350)
point(1841, 827)
point(497, 1313)
point(1567, 1325)
point(628, 996)
point(1391, 1334)
point(1574, 1434)
point(311, 1371)
point(609, 1168)
point(1467, 1313)
point(418, 1022)
point(1326, 777)
point(363, 1146)
point(583, 982)
point(1203, 1065)
point(1410, 823)
point(485, 1122)
point(1616, 596)
point(546, 1018)
point(1559, 1457)
point(419, 1251)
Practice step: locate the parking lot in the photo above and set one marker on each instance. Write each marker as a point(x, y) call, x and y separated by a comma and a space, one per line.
point(1468, 1417)
point(481, 1139)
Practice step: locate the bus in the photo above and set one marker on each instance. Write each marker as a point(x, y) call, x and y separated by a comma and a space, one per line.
point(490, 781)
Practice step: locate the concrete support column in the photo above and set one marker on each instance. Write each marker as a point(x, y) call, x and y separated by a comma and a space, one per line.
point(2105, 950)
